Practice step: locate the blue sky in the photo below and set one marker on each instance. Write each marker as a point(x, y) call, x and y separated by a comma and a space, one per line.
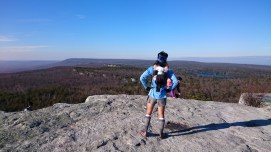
point(133, 29)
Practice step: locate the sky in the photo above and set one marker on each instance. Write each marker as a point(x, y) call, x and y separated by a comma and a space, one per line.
point(133, 29)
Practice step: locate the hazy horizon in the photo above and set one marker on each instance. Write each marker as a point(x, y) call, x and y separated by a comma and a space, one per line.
point(256, 60)
point(153, 58)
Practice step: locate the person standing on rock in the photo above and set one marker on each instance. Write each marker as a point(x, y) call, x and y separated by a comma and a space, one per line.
point(159, 72)
point(29, 107)
point(172, 92)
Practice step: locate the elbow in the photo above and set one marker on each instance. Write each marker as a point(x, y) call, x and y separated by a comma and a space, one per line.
point(142, 79)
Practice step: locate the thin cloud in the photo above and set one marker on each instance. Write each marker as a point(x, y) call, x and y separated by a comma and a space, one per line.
point(6, 39)
point(27, 48)
point(80, 16)
point(36, 20)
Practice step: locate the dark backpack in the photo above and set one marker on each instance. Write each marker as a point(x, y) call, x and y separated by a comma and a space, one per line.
point(160, 76)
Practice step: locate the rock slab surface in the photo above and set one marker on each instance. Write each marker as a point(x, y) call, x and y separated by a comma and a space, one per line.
point(112, 123)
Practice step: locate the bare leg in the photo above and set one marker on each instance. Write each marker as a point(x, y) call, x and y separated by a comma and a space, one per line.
point(172, 93)
point(149, 109)
point(161, 111)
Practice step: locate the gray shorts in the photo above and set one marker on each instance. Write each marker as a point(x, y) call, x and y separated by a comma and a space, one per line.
point(161, 102)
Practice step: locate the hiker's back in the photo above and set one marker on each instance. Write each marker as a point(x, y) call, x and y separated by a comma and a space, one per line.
point(160, 75)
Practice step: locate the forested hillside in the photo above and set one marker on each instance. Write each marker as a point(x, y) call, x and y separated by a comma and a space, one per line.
point(74, 84)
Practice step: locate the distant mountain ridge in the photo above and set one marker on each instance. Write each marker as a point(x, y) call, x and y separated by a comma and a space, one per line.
point(84, 61)
point(17, 66)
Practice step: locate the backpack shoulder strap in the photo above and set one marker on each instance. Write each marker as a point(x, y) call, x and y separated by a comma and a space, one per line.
point(154, 70)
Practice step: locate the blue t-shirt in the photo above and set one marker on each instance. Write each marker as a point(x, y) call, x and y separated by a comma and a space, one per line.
point(162, 93)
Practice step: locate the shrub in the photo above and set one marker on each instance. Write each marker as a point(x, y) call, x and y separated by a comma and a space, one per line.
point(253, 100)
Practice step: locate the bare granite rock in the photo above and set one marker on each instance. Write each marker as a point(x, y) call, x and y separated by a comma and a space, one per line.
point(112, 122)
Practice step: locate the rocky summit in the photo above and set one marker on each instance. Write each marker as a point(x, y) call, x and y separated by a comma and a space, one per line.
point(112, 123)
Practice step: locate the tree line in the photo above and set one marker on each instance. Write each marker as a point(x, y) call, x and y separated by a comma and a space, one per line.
point(74, 84)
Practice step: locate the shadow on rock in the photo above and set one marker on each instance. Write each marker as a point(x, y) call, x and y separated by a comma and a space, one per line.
point(185, 130)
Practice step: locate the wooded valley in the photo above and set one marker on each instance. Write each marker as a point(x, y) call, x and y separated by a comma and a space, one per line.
point(74, 84)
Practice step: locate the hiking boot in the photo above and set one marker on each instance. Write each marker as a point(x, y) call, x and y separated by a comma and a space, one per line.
point(163, 136)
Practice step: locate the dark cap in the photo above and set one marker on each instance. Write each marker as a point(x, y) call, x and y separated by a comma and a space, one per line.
point(162, 57)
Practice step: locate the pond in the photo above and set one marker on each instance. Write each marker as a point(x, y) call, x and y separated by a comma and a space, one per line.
point(214, 75)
